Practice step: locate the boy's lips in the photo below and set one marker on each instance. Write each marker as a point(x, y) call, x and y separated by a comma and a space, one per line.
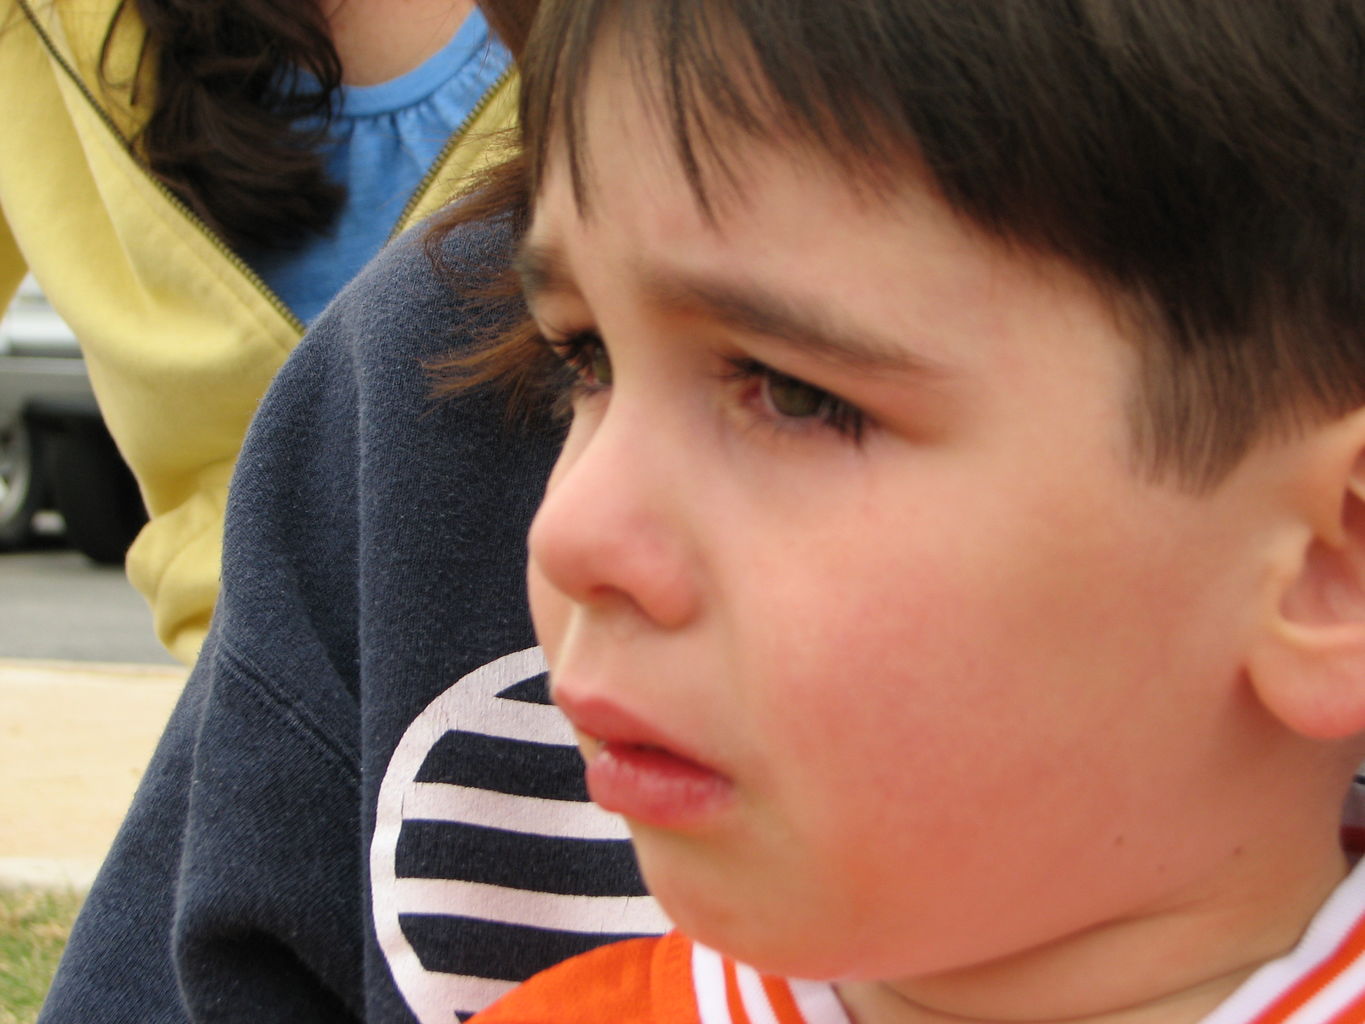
point(635, 770)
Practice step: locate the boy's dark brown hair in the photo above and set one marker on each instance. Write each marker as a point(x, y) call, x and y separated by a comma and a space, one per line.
point(1202, 161)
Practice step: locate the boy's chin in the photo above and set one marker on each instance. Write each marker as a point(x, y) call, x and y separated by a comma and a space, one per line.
point(763, 917)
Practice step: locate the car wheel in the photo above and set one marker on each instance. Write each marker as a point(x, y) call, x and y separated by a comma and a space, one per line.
point(21, 483)
point(95, 492)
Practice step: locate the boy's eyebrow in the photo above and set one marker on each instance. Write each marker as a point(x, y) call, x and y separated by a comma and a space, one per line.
point(749, 308)
point(541, 269)
point(799, 324)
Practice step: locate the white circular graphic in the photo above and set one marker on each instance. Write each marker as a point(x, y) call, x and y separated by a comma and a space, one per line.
point(475, 705)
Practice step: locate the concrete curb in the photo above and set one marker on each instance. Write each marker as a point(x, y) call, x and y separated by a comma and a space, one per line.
point(110, 671)
point(43, 873)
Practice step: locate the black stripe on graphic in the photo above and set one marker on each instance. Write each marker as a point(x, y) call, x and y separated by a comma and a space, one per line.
point(492, 949)
point(535, 690)
point(471, 853)
point(517, 767)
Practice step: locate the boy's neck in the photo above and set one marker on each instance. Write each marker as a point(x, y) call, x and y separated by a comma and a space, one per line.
point(1174, 966)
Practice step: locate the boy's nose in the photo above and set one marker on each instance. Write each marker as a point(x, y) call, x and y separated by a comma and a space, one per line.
point(612, 528)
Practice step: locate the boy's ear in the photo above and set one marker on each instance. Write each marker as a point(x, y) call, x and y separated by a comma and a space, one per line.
point(1307, 664)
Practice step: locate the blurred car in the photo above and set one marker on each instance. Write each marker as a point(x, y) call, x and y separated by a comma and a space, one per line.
point(55, 452)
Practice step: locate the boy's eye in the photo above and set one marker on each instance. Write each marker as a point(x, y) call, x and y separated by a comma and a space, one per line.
point(577, 366)
point(586, 356)
point(791, 397)
point(598, 364)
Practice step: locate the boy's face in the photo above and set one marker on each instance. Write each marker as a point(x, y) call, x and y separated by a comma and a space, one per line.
point(951, 685)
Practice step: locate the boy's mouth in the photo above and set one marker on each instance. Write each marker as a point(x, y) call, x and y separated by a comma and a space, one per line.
point(634, 771)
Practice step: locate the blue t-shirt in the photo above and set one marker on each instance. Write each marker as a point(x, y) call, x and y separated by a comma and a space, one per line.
point(382, 140)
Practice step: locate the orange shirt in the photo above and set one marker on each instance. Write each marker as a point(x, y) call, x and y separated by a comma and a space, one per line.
point(668, 980)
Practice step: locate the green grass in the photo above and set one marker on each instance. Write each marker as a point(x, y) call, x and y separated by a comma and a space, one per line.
point(34, 925)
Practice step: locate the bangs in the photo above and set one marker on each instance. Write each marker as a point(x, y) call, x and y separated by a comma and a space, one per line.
point(718, 74)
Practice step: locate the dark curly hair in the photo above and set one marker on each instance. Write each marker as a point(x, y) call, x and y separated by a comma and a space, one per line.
point(223, 133)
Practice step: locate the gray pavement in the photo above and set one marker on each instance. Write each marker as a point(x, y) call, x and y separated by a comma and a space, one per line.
point(57, 604)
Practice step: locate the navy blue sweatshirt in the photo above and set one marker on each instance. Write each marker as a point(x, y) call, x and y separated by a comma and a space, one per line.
point(364, 807)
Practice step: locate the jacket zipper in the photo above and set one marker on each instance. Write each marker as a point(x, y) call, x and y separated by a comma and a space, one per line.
point(197, 222)
point(456, 137)
point(179, 204)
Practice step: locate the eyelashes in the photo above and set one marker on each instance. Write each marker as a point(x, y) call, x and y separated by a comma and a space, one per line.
point(582, 367)
point(570, 369)
point(584, 361)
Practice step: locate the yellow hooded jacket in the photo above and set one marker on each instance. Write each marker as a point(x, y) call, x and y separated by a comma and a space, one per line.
point(180, 337)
